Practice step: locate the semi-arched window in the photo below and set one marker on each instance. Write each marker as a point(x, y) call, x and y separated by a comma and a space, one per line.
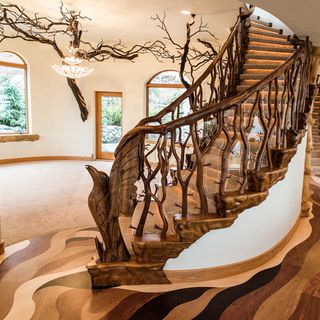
point(13, 94)
point(162, 89)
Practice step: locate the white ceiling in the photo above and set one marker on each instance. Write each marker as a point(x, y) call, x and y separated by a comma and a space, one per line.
point(130, 19)
point(302, 16)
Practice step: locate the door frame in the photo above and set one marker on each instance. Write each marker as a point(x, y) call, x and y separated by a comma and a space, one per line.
point(98, 95)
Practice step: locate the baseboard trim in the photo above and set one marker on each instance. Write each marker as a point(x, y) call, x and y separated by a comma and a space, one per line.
point(44, 158)
point(238, 268)
point(1, 247)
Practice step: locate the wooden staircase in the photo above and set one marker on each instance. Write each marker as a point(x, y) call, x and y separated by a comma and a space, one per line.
point(202, 170)
point(267, 49)
point(315, 156)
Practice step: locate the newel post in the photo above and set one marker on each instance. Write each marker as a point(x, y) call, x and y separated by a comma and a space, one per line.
point(306, 205)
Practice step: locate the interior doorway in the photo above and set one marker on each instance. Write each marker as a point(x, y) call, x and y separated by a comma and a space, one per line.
point(108, 123)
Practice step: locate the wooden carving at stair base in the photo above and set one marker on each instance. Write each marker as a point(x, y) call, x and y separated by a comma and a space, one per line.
point(303, 120)
point(263, 180)
point(113, 247)
point(126, 273)
point(230, 205)
point(281, 157)
point(148, 250)
point(294, 138)
point(193, 227)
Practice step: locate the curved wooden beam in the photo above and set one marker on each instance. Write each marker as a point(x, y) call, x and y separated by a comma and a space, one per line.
point(79, 97)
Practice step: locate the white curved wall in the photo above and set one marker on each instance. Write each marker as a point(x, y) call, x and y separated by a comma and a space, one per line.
point(255, 231)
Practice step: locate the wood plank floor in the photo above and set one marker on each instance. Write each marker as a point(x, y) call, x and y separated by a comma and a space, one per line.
point(46, 278)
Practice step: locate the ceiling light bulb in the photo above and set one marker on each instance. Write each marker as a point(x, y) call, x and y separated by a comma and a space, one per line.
point(185, 12)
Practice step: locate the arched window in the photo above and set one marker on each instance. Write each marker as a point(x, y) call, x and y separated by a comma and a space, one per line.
point(162, 89)
point(13, 94)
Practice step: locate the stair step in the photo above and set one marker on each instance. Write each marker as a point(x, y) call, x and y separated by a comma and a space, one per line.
point(266, 33)
point(254, 81)
point(272, 49)
point(256, 19)
point(256, 25)
point(258, 69)
point(265, 57)
point(255, 28)
point(315, 162)
point(253, 76)
point(193, 227)
point(282, 41)
point(150, 248)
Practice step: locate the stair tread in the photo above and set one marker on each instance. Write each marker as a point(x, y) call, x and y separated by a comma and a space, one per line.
point(258, 25)
point(279, 41)
point(266, 33)
point(265, 57)
point(273, 49)
point(260, 66)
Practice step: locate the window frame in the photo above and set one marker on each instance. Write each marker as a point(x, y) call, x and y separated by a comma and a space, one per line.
point(25, 67)
point(160, 85)
point(105, 155)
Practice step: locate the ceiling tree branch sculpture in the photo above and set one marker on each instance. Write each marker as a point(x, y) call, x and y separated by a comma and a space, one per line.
point(16, 23)
point(193, 55)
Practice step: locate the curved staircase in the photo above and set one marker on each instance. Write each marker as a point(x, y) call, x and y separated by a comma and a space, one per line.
point(248, 113)
point(316, 136)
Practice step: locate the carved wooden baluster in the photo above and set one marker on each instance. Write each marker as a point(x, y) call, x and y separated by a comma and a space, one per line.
point(226, 151)
point(221, 77)
point(151, 174)
point(230, 70)
point(147, 191)
point(164, 164)
point(265, 134)
point(278, 113)
point(213, 89)
point(294, 100)
point(219, 117)
point(199, 165)
point(272, 110)
point(245, 153)
point(183, 183)
point(287, 109)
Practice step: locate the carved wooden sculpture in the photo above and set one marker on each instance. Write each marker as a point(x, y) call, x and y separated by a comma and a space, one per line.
point(208, 192)
point(113, 247)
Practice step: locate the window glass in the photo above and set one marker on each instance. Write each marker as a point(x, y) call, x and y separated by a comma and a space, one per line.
point(13, 88)
point(162, 89)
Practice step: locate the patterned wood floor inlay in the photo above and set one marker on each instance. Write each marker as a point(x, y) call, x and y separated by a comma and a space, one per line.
point(46, 278)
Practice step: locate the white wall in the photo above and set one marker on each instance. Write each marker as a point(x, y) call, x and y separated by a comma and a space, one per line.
point(255, 231)
point(276, 23)
point(54, 112)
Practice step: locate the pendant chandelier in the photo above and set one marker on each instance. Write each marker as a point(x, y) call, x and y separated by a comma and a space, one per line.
point(70, 67)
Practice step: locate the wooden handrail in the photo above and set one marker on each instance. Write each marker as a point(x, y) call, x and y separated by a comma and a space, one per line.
point(214, 107)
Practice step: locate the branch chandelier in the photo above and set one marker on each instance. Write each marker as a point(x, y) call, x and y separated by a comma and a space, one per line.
point(70, 67)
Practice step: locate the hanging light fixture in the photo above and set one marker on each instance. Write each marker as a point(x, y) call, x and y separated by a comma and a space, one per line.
point(70, 66)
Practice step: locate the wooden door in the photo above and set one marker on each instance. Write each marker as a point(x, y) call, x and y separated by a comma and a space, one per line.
point(108, 123)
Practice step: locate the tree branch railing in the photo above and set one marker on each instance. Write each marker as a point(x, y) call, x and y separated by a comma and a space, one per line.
point(215, 84)
point(246, 129)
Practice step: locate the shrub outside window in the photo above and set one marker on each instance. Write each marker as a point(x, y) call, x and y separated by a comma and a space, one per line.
point(162, 89)
point(13, 94)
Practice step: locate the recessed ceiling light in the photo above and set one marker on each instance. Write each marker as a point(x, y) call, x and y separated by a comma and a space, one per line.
point(185, 12)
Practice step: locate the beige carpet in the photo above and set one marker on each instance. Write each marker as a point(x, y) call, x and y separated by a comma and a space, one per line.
point(42, 197)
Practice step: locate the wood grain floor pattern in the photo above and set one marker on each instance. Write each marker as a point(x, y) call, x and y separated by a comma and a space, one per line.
point(46, 279)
